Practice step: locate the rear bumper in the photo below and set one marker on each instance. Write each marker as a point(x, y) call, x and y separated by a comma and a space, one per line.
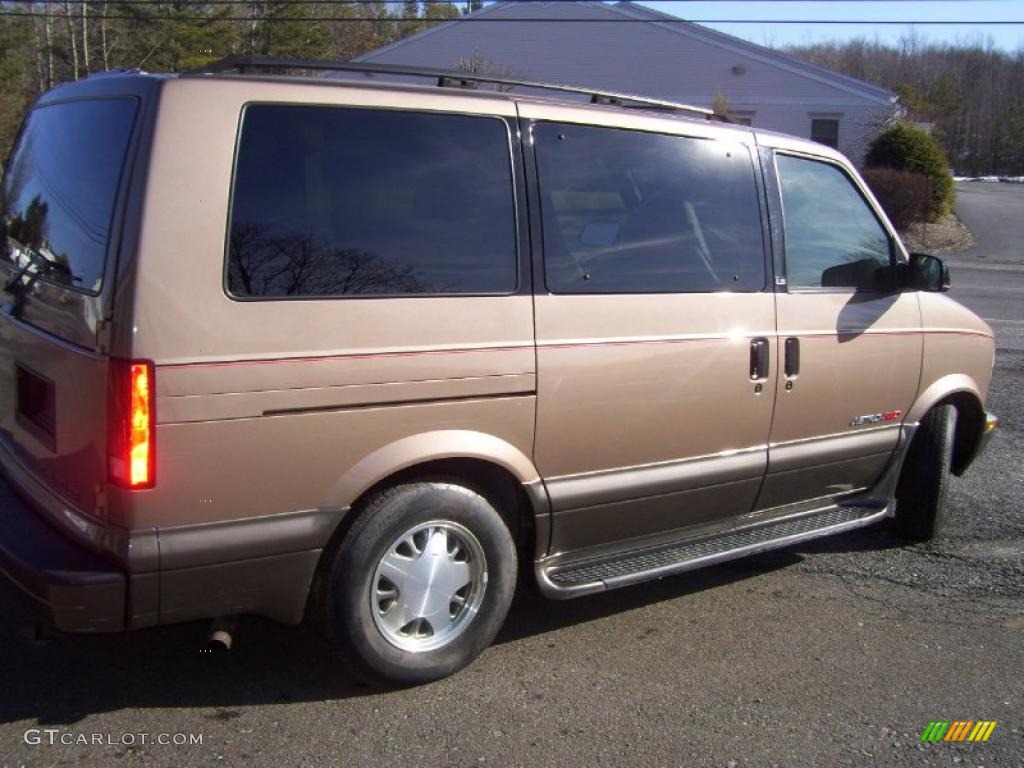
point(69, 586)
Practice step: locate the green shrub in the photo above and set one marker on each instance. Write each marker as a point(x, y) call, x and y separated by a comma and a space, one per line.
point(906, 148)
point(905, 195)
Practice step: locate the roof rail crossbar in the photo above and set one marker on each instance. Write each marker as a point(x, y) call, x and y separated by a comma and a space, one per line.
point(444, 78)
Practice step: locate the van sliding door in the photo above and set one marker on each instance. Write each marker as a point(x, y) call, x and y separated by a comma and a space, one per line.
point(654, 331)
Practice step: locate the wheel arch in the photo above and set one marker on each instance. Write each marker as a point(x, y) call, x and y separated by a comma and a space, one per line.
point(963, 393)
point(492, 466)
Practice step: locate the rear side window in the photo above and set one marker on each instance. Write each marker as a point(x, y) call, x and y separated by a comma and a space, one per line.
point(333, 201)
point(60, 189)
point(631, 212)
point(833, 239)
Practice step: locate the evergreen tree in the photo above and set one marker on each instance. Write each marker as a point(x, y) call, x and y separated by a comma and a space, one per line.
point(410, 11)
point(18, 85)
point(286, 29)
point(176, 36)
point(438, 11)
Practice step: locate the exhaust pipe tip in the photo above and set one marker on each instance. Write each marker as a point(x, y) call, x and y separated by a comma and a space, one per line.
point(221, 635)
point(220, 640)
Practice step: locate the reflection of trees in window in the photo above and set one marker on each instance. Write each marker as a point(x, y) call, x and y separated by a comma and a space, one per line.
point(14, 184)
point(296, 264)
point(28, 228)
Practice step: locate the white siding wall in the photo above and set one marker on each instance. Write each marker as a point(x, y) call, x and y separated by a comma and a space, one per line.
point(858, 123)
point(644, 59)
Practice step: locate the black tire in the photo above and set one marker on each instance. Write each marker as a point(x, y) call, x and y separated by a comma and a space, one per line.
point(924, 481)
point(350, 572)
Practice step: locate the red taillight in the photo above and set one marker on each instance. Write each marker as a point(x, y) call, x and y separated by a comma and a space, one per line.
point(131, 408)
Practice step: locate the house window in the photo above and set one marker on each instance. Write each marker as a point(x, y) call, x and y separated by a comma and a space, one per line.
point(742, 118)
point(825, 130)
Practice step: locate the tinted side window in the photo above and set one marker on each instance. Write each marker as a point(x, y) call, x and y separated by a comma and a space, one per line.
point(333, 201)
point(61, 186)
point(631, 212)
point(833, 239)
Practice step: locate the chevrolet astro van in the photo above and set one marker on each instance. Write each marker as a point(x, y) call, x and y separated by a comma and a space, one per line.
point(321, 345)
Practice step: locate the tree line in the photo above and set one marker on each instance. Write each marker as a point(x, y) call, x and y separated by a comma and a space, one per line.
point(971, 94)
point(43, 44)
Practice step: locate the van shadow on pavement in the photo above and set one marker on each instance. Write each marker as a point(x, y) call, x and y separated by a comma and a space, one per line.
point(71, 677)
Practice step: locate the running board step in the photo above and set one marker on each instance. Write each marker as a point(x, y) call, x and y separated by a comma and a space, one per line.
point(655, 562)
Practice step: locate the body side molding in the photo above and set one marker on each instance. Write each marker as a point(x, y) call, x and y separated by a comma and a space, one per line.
point(628, 483)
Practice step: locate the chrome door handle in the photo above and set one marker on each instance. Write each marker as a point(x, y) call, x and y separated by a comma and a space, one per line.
point(758, 359)
point(792, 357)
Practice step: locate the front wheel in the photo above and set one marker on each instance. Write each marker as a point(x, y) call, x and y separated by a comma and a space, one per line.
point(420, 584)
point(924, 481)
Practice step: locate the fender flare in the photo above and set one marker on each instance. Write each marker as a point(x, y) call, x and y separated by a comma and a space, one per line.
point(969, 439)
point(425, 447)
point(940, 389)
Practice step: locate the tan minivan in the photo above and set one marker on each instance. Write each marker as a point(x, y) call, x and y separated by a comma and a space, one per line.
point(363, 352)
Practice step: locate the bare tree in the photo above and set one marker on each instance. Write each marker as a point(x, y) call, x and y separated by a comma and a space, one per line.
point(73, 38)
point(40, 55)
point(480, 65)
point(48, 33)
point(85, 35)
point(970, 92)
point(104, 48)
point(720, 104)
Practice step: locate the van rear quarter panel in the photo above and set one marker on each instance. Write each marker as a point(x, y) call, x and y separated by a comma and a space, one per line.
point(267, 407)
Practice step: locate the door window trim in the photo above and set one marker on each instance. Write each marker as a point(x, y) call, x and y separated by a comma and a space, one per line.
point(897, 253)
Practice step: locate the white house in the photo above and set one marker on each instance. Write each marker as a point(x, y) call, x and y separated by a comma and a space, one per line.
point(653, 54)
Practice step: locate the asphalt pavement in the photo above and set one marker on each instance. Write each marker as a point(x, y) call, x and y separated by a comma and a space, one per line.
point(993, 213)
point(989, 278)
point(838, 653)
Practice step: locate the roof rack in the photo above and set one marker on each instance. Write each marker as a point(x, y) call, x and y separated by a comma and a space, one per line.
point(444, 79)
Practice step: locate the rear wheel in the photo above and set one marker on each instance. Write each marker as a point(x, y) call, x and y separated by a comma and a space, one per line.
point(924, 482)
point(420, 584)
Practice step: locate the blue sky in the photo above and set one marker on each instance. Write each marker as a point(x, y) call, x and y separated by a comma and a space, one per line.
point(1008, 38)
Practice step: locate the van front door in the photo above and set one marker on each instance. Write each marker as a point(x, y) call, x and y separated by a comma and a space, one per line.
point(849, 342)
point(654, 333)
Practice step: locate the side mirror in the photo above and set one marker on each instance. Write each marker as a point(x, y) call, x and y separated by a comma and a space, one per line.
point(926, 273)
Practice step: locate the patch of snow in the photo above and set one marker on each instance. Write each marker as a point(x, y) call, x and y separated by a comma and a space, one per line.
point(992, 179)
